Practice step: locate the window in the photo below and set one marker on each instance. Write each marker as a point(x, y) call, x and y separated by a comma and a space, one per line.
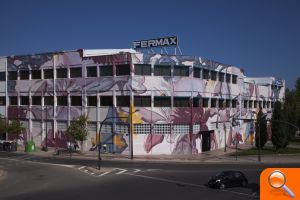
point(196, 102)
point(48, 73)
point(197, 72)
point(233, 103)
point(35, 74)
point(62, 100)
point(260, 104)
point(13, 100)
point(12, 75)
point(180, 129)
point(106, 101)
point(92, 101)
point(205, 102)
point(272, 104)
point(264, 104)
point(24, 75)
point(2, 76)
point(76, 72)
point(36, 100)
point(234, 79)
point(123, 70)
point(213, 75)
point(62, 73)
point(181, 71)
point(221, 103)
point(76, 101)
point(2, 101)
point(213, 103)
point(48, 100)
point(161, 129)
point(142, 101)
point(250, 104)
point(245, 103)
point(162, 101)
point(227, 103)
point(181, 102)
point(106, 70)
point(268, 104)
point(142, 128)
point(205, 74)
point(255, 104)
point(221, 76)
point(142, 69)
point(91, 71)
point(162, 70)
point(24, 100)
point(228, 78)
point(123, 101)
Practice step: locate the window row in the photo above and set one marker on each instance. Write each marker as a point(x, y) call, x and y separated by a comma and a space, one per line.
point(257, 104)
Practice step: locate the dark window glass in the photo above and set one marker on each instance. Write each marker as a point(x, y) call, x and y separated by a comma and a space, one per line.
point(228, 78)
point(142, 101)
point(2, 101)
point(205, 102)
point(35, 74)
point(123, 101)
point(48, 73)
point(62, 73)
point(233, 103)
point(181, 102)
point(76, 101)
point(268, 104)
point(260, 104)
point(227, 103)
point(234, 79)
point(205, 74)
point(76, 72)
point(2, 76)
point(48, 100)
point(24, 100)
point(197, 102)
point(162, 70)
point(142, 69)
point(123, 70)
point(221, 103)
point(12, 75)
point(24, 75)
point(272, 104)
point(62, 100)
point(250, 104)
point(255, 104)
point(213, 103)
point(213, 75)
point(245, 103)
point(92, 101)
point(162, 101)
point(197, 72)
point(264, 104)
point(221, 77)
point(106, 101)
point(91, 71)
point(181, 71)
point(36, 100)
point(13, 100)
point(106, 70)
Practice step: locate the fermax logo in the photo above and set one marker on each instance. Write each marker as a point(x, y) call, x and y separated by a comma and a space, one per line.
point(166, 41)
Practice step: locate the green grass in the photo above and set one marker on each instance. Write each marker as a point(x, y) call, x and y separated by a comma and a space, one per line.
point(267, 151)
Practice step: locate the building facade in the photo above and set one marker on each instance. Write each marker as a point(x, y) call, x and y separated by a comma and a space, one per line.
point(173, 104)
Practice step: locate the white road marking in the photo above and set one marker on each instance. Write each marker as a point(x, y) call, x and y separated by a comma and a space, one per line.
point(136, 170)
point(103, 174)
point(80, 168)
point(121, 171)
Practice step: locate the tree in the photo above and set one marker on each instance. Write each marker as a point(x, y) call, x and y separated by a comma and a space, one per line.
point(289, 113)
point(78, 129)
point(280, 137)
point(15, 127)
point(260, 129)
point(297, 99)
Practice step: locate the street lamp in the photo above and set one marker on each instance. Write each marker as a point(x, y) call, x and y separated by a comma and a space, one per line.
point(45, 148)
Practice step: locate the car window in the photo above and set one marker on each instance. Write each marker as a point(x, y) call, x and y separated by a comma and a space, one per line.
point(237, 175)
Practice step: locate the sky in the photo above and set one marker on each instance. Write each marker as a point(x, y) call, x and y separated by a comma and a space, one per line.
point(260, 36)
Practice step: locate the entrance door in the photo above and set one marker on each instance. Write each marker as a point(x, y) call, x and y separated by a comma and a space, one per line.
point(205, 140)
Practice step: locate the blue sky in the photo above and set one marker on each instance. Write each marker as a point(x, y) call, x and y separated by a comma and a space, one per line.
point(260, 36)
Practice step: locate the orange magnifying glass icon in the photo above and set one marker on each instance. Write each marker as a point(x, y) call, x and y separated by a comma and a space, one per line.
point(277, 180)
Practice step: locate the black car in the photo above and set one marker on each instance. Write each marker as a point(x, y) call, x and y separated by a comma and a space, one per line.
point(227, 179)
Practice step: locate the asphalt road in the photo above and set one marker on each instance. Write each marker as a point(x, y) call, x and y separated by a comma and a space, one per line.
point(34, 177)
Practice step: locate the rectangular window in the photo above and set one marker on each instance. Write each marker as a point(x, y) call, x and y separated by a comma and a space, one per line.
point(91, 71)
point(197, 72)
point(12, 75)
point(142, 101)
point(221, 77)
point(227, 103)
point(233, 103)
point(48, 74)
point(76, 72)
point(181, 71)
point(272, 104)
point(213, 103)
point(2, 101)
point(123, 101)
point(213, 75)
point(162, 70)
point(264, 104)
point(255, 104)
point(228, 78)
point(92, 101)
point(48, 100)
point(36, 100)
point(162, 101)
point(268, 104)
point(181, 102)
point(24, 75)
point(250, 104)
point(123, 70)
point(260, 104)
point(62, 100)
point(24, 100)
point(2, 76)
point(36, 74)
point(245, 104)
point(13, 100)
point(62, 73)
point(221, 103)
point(234, 79)
point(76, 101)
point(197, 102)
point(205, 102)
point(142, 69)
point(106, 70)
point(205, 74)
point(106, 101)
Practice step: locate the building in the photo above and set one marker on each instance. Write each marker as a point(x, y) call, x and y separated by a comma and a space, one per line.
point(179, 104)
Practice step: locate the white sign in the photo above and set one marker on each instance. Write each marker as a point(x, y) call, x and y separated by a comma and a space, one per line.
point(166, 41)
